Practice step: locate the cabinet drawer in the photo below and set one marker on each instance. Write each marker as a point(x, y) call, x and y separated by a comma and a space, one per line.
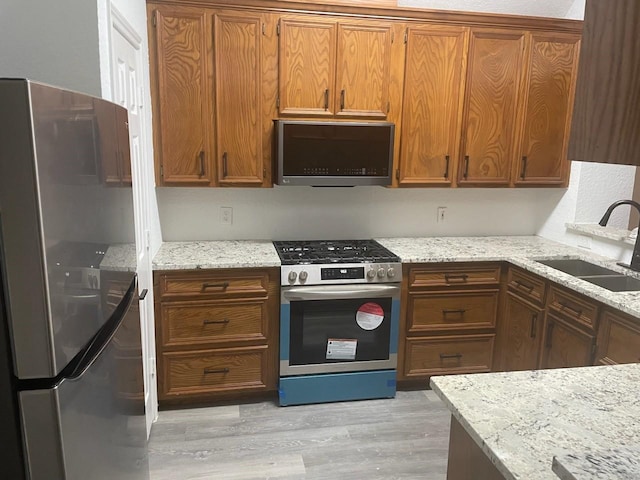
point(451, 311)
point(445, 355)
point(211, 371)
point(213, 284)
point(573, 307)
point(618, 339)
point(191, 323)
point(453, 276)
point(527, 286)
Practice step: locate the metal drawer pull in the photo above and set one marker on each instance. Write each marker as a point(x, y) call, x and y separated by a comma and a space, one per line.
point(577, 312)
point(466, 167)
point(524, 168)
point(342, 100)
point(534, 321)
point(224, 165)
point(446, 168)
point(201, 158)
point(444, 356)
point(524, 285)
point(211, 322)
point(457, 276)
point(326, 99)
point(460, 311)
point(222, 285)
point(207, 371)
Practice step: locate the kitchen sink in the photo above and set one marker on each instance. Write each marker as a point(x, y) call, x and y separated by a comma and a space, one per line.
point(578, 268)
point(618, 283)
point(595, 274)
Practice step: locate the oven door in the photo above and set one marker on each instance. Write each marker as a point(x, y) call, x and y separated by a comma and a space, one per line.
point(338, 328)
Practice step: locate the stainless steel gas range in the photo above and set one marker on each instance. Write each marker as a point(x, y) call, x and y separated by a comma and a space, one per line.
point(339, 320)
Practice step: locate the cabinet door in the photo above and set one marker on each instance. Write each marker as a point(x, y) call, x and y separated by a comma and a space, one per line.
point(237, 54)
point(183, 118)
point(362, 70)
point(618, 339)
point(307, 66)
point(565, 345)
point(489, 126)
point(522, 329)
point(431, 114)
point(547, 114)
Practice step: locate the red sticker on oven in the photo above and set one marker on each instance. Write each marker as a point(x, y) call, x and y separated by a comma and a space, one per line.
point(370, 316)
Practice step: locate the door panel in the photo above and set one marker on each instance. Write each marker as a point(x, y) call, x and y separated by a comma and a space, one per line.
point(432, 109)
point(237, 50)
point(565, 345)
point(183, 104)
point(362, 72)
point(549, 100)
point(307, 67)
point(491, 105)
point(522, 327)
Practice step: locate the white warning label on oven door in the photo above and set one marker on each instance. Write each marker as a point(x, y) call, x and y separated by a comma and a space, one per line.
point(341, 348)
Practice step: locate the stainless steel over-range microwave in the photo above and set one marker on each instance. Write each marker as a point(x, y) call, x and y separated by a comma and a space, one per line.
point(328, 154)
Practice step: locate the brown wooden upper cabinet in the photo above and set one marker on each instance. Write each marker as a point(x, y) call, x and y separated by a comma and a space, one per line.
point(432, 105)
point(548, 102)
point(606, 118)
point(489, 128)
point(212, 95)
point(334, 68)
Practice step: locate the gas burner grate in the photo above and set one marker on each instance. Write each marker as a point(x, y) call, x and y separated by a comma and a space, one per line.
point(333, 251)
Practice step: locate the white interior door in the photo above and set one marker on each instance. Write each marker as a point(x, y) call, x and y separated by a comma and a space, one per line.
point(128, 91)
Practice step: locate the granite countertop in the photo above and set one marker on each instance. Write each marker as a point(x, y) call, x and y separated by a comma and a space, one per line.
point(585, 417)
point(120, 258)
point(216, 254)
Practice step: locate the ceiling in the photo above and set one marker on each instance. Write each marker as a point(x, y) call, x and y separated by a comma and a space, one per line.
point(540, 8)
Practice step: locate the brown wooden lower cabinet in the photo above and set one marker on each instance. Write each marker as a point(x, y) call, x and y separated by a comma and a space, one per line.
point(446, 355)
point(522, 329)
point(565, 345)
point(618, 339)
point(216, 333)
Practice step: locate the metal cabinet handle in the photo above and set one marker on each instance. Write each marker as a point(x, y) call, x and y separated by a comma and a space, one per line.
point(534, 321)
point(455, 276)
point(208, 371)
point(143, 294)
point(326, 99)
point(549, 334)
point(211, 322)
point(524, 285)
point(224, 164)
point(222, 285)
point(465, 174)
point(461, 311)
point(577, 313)
point(342, 100)
point(446, 167)
point(444, 356)
point(201, 157)
point(523, 174)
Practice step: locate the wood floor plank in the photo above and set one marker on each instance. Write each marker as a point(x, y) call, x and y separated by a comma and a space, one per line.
point(404, 438)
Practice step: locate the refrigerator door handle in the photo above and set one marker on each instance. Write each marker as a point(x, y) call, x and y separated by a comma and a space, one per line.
point(92, 351)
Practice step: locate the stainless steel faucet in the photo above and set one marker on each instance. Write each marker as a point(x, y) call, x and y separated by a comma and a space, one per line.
point(635, 256)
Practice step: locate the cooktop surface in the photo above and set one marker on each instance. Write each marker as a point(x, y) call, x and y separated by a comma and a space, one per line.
point(333, 251)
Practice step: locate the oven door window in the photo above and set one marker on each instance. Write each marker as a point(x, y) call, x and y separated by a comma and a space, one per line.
point(314, 323)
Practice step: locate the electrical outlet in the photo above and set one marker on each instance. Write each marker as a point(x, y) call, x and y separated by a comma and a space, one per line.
point(441, 212)
point(226, 215)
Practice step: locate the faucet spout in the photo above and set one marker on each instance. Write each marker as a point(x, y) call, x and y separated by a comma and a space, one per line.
point(635, 257)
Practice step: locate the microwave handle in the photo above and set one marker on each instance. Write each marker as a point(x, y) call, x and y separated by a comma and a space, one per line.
point(340, 292)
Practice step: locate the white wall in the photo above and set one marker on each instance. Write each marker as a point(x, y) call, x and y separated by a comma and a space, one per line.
point(51, 42)
point(541, 8)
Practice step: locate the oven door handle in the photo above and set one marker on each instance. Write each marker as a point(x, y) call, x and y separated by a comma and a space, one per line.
point(339, 292)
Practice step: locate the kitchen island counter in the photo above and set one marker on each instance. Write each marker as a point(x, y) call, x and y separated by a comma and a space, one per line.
point(520, 421)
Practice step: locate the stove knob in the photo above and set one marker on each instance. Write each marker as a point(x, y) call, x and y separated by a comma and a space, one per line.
point(371, 274)
point(381, 272)
point(391, 273)
point(303, 276)
point(292, 276)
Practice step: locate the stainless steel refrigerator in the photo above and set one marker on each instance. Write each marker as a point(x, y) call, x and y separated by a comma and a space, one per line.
point(71, 385)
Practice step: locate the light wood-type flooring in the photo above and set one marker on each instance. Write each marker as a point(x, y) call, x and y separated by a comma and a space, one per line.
point(402, 438)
